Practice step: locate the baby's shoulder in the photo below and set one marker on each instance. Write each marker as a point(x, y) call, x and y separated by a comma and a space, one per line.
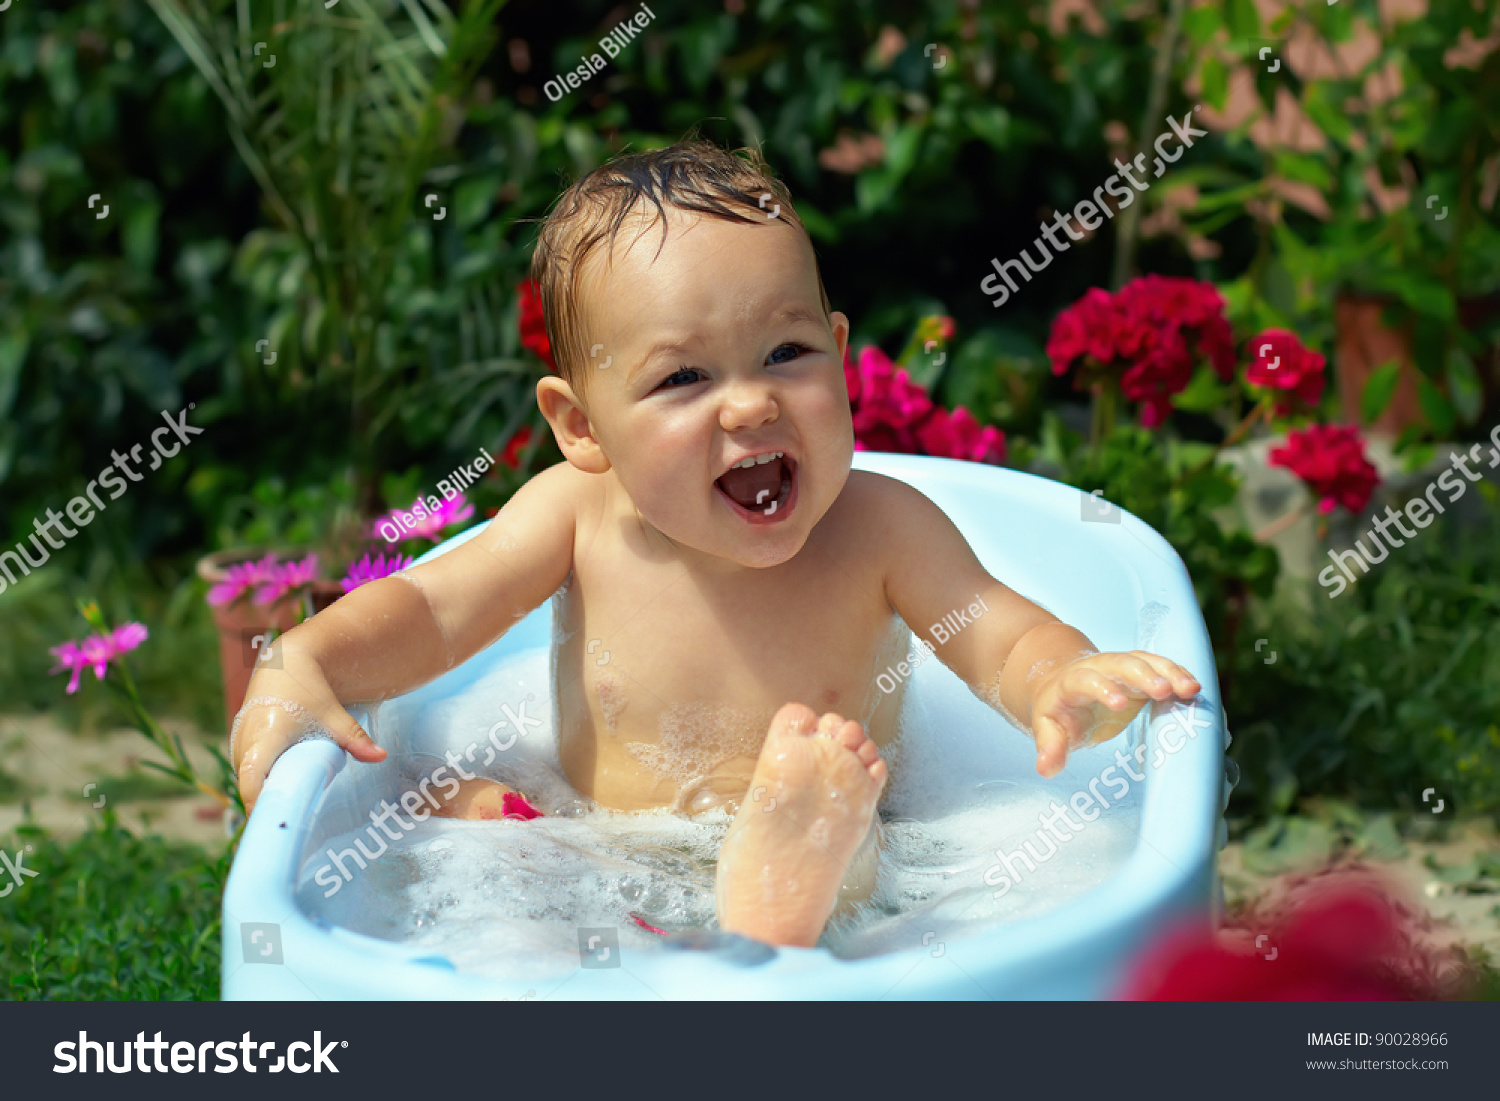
point(562, 484)
point(873, 506)
point(879, 497)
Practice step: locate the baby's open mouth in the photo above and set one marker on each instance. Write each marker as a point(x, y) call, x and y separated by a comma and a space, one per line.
point(763, 489)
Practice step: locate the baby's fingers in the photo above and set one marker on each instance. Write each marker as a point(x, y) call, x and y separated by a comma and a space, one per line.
point(1085, 687)
point(1184, 684)
point(267, 727)
point(1052, 743)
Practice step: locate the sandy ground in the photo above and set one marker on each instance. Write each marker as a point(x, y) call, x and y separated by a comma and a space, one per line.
point(56, 768)
point(60, 776)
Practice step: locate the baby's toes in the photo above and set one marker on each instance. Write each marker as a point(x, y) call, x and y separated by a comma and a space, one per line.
point(848, 733)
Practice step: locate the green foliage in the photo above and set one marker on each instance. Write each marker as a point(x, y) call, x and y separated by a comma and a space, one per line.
point(112, 916)
point(119, 323)
point(1175, 486)
point(1391, 688)
point(1405, 117)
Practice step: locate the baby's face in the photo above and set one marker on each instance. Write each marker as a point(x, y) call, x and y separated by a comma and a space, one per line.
point(719, 351)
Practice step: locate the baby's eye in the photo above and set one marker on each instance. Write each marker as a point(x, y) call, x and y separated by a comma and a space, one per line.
point(681, 377)
point(795, 350)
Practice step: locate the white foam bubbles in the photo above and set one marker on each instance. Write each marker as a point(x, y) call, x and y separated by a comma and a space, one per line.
point(507, 898)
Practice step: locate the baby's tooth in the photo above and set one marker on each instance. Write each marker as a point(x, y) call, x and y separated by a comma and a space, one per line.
point(762, 460)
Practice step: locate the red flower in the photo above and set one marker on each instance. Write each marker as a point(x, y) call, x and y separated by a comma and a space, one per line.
point(1147, 333)
point(1331, 460)
point(1338, 940)
point(1084, 328)
point(533, 324)
point(1279, 361)
point(511, 456)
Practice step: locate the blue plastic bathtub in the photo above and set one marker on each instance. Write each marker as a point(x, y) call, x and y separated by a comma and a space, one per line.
point(1100, 569)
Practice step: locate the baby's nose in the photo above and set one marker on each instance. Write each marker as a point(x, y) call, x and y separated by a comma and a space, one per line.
point(748, 405)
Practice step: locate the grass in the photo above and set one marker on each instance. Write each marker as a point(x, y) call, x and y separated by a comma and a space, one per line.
point(1382, 693)
point(112, 916)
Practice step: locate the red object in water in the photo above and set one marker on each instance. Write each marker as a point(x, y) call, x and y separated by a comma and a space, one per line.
point(649, 928)
point(516, 806)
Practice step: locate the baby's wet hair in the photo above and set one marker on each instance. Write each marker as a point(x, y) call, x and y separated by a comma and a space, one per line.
point(692, 175)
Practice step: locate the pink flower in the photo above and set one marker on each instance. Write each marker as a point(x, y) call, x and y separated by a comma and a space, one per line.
point(957, 435)
point(890, 405)
point(240, 578)
point(890, 412)
point(1331, 460)
point(420, 521)
point(369, 569)
point(97, 651)
point(1279, 361)
point(283, 578)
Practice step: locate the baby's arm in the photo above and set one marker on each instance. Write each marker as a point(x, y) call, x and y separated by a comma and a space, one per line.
point(1036, 670)
point(396, 634)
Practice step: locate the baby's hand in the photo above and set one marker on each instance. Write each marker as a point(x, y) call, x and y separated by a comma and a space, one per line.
point(285, 706)
point(1092, 699)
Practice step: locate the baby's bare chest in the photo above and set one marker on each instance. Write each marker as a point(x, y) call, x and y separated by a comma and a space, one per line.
point(685, 640)
point(662, 674)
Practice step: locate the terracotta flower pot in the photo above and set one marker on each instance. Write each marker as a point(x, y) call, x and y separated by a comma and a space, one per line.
point(1365, 344)
point(244, 624)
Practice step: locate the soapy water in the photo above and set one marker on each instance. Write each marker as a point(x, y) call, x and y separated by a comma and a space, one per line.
point(507, 898)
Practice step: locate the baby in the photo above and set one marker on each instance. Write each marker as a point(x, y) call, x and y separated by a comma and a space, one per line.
point(708, 533)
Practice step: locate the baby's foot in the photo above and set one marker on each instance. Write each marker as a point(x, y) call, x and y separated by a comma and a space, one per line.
point(810, 805)
point(475, 799)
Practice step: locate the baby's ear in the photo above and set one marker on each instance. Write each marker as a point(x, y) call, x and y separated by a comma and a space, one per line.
point(570, 425)
point(840, 325)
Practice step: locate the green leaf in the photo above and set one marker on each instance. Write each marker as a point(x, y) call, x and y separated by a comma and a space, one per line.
point(1380, 387)
point(1423, 295)
point(1465, 388)
point(1200, 23)
point(473, 198)
point(1204, 394)
point(1215, 83)
point(138, 235)
point(1439, 409)
point(1242, 19)
point(992, 123)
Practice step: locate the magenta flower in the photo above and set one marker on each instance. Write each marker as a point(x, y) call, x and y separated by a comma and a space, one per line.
point(96, 652)
point(283, 578)
point(957, 435)
point(240, 579)
point(369, 569)
point(422, 521)
point(890, 405)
